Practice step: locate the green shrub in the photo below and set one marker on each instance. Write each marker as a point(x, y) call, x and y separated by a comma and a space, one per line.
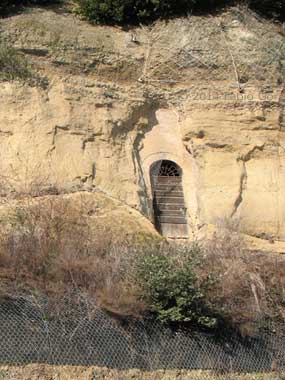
point(269, 8)
point(131, 11)
point(103, 11)
point(134, 11)
point(13, 65)
point(169, 283)
point(7, 6)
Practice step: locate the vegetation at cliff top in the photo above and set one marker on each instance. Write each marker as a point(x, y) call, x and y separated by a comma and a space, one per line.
point(15, 66)
point(135, 11)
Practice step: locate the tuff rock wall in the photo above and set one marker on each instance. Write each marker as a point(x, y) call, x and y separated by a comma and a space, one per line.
point(112, 107)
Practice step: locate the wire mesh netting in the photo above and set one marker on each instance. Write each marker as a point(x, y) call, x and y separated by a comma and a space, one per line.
point(33, 332)
point(237, 46)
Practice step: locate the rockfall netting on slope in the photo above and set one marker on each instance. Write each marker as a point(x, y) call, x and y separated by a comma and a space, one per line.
point(236, 48)
point(34, 331)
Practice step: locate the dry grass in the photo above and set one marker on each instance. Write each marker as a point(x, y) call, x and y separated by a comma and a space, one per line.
point(250, 287)
point(44, 371)
point(12, 64)
point(47, 244)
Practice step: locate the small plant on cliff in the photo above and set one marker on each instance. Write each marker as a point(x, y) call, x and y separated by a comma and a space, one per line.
point(13, 65)
point(169, 283)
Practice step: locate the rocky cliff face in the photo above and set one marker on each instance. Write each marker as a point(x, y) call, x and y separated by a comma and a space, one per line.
point(206, 93)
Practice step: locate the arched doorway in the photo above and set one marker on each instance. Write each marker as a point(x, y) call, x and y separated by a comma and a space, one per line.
point(168, 199)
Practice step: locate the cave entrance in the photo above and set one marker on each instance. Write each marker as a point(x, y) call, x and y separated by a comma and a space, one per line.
point(168, 199)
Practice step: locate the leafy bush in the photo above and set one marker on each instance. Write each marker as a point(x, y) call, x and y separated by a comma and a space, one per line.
point(269, 8)
point(170, 286)
point(134, 11)
point(7, 6)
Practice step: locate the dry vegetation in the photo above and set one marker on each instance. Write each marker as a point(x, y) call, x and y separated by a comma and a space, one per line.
point(250, 289)
point(48, 245)
point(235, 48)
point(42, 371)
point(12, 64)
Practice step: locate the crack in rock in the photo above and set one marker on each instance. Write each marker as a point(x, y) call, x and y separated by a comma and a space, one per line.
point(216, 145)
point(6, 133)
point(55, 131)
point(90, 139)
point(242, 186)
point(243, 178)
point(246, 157)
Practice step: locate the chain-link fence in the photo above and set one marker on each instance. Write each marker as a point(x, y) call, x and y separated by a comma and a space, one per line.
point(34, 332)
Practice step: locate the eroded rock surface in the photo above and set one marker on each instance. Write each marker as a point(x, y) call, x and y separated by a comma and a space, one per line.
point(113, 107)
